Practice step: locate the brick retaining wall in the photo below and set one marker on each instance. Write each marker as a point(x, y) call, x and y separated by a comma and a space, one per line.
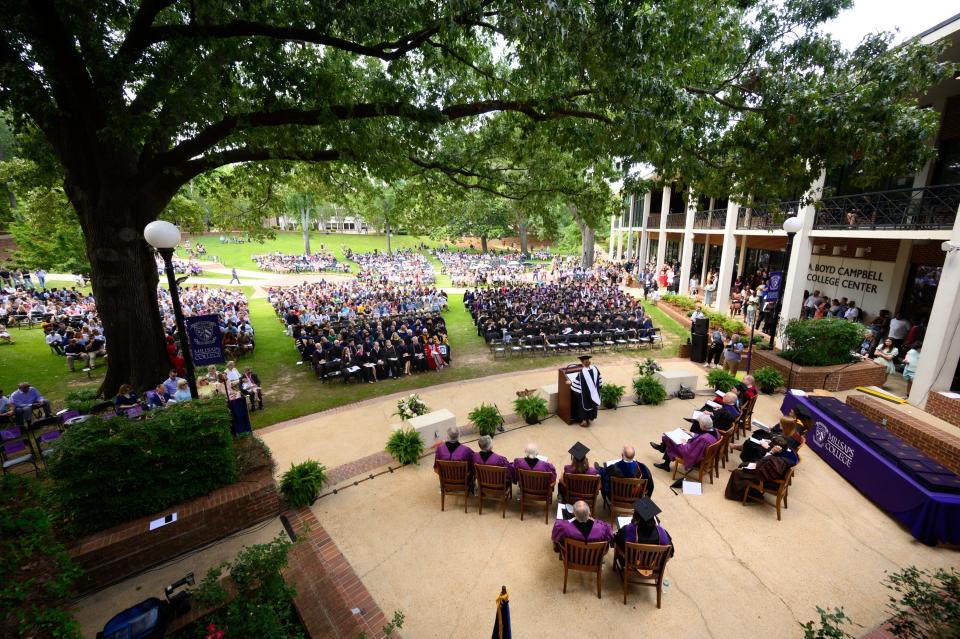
point(831, 378)
point(932, 441)
point(114, 554)
point(945, 408)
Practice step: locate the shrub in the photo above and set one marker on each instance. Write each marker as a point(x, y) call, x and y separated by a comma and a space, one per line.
point(768, 379)
point(822, 342)
point(649, 390)
point(486, 418)
point(263, 606)
point(302, 483)
point(37, 572)
point(530, 407)
point(721, 380)
point(925, 603)
point(680, 301)
point(611, 394)
point(405, 445)
point(81, 400)
point(109, 471)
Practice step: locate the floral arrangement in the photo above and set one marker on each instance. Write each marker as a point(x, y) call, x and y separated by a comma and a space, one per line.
point(647, 367)
point(410, 407)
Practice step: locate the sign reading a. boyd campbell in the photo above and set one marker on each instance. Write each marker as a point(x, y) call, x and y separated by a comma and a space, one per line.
point(866, 282)
point(203, 334)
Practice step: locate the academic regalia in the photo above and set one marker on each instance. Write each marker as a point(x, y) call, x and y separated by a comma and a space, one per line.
point(586, 394)
point(239, 417)
point(769, 468)
point(656, 536)
point(490, 458)
point(526, 463)
point(598, 531)
point(459, 452)
point(691, 452)
point(568, 469)
point(753, 450)
point(628, 470)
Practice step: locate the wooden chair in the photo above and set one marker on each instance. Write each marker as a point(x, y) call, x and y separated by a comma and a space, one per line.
point(492, 483)
point(745, 422)
point(643, 564)
point(583, 557)
point(536, 487)
point(582, 488)
point(624, 491)
point(777, 487)
point(453, 480)
point(723, 456)
point(707, 464)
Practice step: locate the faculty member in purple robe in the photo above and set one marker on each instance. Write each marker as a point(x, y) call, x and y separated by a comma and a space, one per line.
point(581, 528)
point(453, 450)
point(690, 452)
point(486, 456)
point(530, 461)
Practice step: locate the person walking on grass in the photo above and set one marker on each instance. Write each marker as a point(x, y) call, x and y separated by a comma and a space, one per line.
point(234, 276)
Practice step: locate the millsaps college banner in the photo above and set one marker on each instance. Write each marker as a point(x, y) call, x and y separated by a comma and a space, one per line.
point(203, 334)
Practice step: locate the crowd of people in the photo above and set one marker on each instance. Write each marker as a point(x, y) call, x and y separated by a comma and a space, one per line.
point(184, 267)
point(479, 269)
point(317, 262)
point(365, 332)
point(591, 307)
point(406, 267)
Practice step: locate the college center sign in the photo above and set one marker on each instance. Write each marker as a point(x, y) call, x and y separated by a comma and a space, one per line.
point(866, 282)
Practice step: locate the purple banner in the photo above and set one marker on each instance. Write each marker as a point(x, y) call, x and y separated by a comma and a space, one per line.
point(203, 335)
point(774, 284)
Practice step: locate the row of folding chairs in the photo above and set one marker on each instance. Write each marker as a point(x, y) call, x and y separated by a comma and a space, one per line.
point(594, 342)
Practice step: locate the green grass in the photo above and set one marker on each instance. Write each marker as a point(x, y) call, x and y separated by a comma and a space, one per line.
point(291, 243)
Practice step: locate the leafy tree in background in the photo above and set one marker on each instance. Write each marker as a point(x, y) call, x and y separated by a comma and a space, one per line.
point(137, 98)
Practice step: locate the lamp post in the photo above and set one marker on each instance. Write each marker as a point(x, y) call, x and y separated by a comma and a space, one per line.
point(165, 237)
point(791, 225)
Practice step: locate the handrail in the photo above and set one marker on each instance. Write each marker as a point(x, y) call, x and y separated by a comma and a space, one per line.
point(922, 208)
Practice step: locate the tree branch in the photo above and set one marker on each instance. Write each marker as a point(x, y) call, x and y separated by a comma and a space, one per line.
point(138, 36)
point(189, 170)
point(730, 105)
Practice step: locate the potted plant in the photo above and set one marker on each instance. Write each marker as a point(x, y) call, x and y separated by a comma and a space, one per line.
point(532, 408)
point(405, 445)
point(649, 390)
point(301, 484)
point(721, 380)
point(647, 367)
point(768, 379)
point(486, 418)
point(610, 395)
point(685, 350)
point(410, 407)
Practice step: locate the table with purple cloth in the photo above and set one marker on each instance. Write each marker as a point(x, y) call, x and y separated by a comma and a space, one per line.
point(914, 489)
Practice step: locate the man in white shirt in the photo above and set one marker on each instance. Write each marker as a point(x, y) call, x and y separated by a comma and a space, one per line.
point(811, 304)
point(853, 313)
point(898, 329)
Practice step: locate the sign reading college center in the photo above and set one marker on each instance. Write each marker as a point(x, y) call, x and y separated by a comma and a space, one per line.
point(867, 282)
point(203, 334)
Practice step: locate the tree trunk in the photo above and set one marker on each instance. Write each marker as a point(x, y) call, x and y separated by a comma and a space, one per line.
point(387, 227)
point(587, 237)
point(124, 281)
point(522, 232)
point(483, 243)
point(305, 227)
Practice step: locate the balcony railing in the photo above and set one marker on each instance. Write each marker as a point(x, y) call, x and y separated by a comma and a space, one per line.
point(766, 217)
point(676, 220)
point(653, 221)
point(926, 208)
point(712, 219)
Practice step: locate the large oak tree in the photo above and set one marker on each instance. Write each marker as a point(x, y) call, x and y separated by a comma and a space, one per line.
point(137, 97)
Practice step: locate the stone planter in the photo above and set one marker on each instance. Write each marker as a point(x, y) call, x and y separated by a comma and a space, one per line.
point(831, 378)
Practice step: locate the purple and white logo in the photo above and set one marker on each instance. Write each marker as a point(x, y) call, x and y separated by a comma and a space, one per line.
point(821, 433)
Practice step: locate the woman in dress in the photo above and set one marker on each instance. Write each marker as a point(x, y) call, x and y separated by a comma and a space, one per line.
point(752, 302)
point(886, 356)
point(708, 292)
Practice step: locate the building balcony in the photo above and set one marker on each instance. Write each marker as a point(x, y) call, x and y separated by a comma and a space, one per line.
point(766, 217)
point(676, 220)
point(920, 209)
point(711, 219)
point(653, 221)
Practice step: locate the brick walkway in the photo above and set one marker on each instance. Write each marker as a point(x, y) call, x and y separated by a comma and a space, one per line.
point(328, 589)
point(358, 467)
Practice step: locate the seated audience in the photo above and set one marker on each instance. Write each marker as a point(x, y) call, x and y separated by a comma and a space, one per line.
point(182, 393)
point(6, 406)
point(531, 461)
point(159, 398)
point(172, 383)
point(642, 529)
point(582, 527)
point(690, 452)
point(579, 465)
point(24, 400)
point(250, 386)
point(486, 456)
point(774, 465)
point(452, 449)
point(627, 468)
point(126, 398)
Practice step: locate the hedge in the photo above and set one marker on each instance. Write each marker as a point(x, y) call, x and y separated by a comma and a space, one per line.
point(822, 342)
point(106, 472)
point(729, 324)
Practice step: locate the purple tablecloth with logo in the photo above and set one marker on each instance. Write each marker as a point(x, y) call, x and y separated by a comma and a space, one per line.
point(890, 472)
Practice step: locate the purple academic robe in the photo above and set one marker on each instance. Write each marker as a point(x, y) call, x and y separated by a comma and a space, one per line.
point(520, 463)
point(563, 528)
point(568, 470)
point(461, 453)
point(691, 452)
point(494, 460)
point(630, 534)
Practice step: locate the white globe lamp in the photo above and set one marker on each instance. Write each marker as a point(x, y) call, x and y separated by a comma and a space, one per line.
point(161, 234)
point(792, 225)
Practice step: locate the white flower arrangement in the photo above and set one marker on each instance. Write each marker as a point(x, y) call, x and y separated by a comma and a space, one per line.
point(410, 407)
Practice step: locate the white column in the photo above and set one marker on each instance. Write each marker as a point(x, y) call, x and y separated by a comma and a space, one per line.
point(644, 249)
point(941, 342)
point(664, 212)
point(631, 208)
point(728, 251)
point(799, 259)
point(742, 261)
point(620, 238)
point(898, 282)
point(706, 259)
point(610, 254)
point(686, 248)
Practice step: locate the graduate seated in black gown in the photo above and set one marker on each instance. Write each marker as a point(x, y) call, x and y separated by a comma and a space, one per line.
point(642, 529)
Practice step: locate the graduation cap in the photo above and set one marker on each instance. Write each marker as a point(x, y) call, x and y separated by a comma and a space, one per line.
point(584, 357)
point(645, 509)
point(579, 451)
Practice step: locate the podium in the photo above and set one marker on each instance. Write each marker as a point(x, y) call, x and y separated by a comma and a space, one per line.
point(564, 394)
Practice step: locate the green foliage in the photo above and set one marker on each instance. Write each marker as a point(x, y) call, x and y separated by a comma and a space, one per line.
point(729, 324)
point(405, 445)
point(822, 342)
point(37, 572)
point(263, 606)
point(647, 366)
point(82, 400)
point(411, 406)
point(109, 471)
point(486, 418)
point(830, 625)
point(611, 394)
point(302, 483)
point(649, 390)
point(395, 623)
point(768, 379)
point(925, 604)
point(721, 380)
point(530, 407)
